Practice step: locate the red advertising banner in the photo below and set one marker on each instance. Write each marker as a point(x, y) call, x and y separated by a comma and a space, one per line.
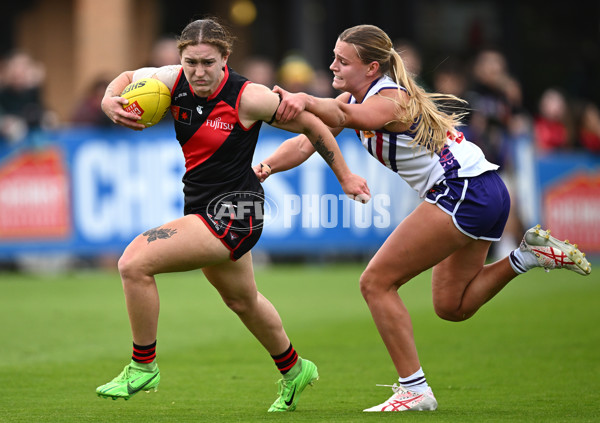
point(34, 196)
point(572, 210)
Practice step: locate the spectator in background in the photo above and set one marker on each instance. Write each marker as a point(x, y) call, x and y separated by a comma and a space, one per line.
point(450, 78)
point(490, 108)
point(21, 107)
point(321, 85)
point(87, 110)
point(295, 73)
point(588, 129)
point(164, 53)
point(411, 57)
point(259, 70)
point(552, 124)
point(496, 118)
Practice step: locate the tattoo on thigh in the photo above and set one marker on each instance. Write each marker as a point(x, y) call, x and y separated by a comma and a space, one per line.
point(159, 233)
point(323, 151)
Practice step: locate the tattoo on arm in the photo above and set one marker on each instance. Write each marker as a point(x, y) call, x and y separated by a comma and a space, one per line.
point(323, 151)
point(159, 233)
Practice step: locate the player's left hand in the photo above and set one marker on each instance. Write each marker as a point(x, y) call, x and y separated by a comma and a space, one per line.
point(356, 188)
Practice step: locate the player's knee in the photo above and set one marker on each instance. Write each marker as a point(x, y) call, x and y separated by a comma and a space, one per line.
point(372, 284)
point(449, 312)
point(366, 284)
point(125, 267)
point(238, 305)
point(130, 268)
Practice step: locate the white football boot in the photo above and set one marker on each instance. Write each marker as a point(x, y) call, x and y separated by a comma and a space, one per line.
point(554, 254)
point(405, 400)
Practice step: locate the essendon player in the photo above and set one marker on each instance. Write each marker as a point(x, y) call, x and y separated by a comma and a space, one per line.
point(217, 116)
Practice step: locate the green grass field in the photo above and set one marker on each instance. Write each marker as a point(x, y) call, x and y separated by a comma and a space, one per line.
point(531, 355)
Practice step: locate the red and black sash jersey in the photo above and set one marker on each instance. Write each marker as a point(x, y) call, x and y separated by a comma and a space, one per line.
point(218, 149)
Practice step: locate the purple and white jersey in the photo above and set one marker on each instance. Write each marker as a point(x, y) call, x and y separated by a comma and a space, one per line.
point(458, 159)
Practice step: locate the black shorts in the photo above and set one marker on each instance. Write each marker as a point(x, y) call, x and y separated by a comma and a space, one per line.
point(237, 221)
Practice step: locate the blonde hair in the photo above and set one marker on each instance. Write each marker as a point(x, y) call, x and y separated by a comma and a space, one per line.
point(429, 124)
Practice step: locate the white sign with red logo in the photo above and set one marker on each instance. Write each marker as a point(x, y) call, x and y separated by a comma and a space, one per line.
point(572, 210)
point(34, 196)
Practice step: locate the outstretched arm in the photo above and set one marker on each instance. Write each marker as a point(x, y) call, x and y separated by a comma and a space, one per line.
point(378, 111)
point(329, 110)
point(325, 144)
point(260, 103)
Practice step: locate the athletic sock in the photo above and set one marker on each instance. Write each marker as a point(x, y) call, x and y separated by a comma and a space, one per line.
point(144, 354)
point(522, 261)
point(286, 362)
point(416, 382)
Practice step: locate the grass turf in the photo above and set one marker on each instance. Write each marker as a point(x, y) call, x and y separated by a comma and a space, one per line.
point(529, 355)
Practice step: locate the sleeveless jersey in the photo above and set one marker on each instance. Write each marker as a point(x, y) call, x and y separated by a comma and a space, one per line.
point(458, 159)
point(218, 149)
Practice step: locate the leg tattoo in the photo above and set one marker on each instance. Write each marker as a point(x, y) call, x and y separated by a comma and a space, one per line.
point(159, 233)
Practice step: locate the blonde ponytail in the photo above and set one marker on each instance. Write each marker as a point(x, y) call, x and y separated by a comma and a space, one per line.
point(430, 124)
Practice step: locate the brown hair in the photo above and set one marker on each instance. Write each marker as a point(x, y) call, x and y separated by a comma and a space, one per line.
point(206, 31)
point(432, 124)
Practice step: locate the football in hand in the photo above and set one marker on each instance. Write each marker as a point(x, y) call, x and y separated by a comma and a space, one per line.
point(148, 98)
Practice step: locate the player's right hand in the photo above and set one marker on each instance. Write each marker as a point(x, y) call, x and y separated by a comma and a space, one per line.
point(290, 106)
point(262, 171)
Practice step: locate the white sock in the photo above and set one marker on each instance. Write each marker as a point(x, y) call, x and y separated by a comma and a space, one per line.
point(522, 261)
point(416, 382)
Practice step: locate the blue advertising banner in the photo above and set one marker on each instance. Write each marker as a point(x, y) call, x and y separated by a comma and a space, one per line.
point(90, 192)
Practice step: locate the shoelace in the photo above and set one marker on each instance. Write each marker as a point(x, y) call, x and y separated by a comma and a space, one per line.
point(395, 387)
point(123, 376)
point(282, 384)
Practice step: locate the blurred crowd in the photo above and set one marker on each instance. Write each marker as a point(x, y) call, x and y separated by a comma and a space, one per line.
point(496, 118)
point(495, 106)
point(21, 106)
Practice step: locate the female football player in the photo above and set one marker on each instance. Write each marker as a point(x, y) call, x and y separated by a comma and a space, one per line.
point(217, 116)
point(465, 203)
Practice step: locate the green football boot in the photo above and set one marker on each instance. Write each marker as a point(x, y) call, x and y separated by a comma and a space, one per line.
point(131, 380)
point(290, 389)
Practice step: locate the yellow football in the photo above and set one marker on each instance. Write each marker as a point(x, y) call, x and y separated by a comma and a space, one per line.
point(148, 98)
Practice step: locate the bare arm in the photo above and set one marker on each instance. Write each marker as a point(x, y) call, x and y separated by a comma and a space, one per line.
point(325, 144)
point(291, 153)
point(260, 103)
point(378, 111)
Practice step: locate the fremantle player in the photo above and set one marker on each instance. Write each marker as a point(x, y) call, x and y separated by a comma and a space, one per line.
point(465, 204)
